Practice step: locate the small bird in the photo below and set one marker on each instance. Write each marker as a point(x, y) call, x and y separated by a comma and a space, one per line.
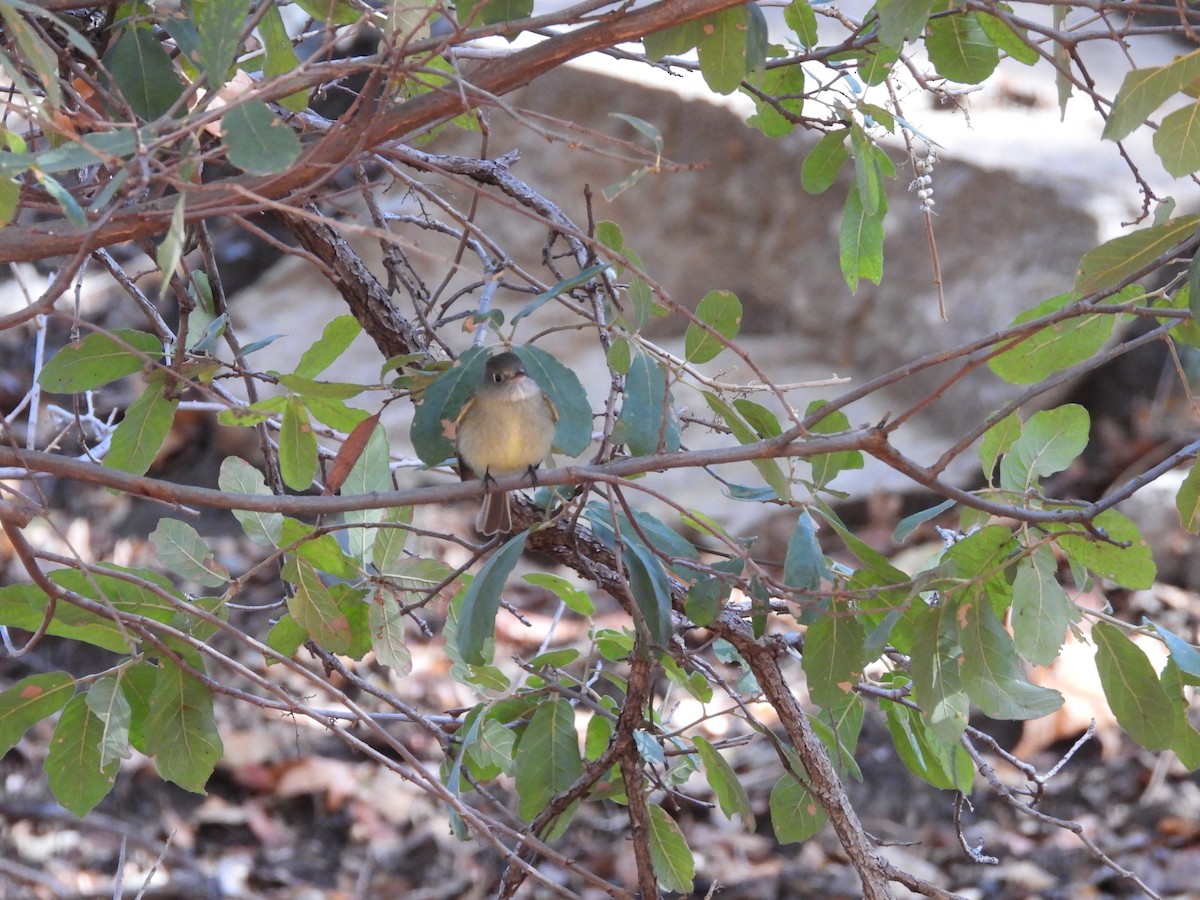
point(505, 428)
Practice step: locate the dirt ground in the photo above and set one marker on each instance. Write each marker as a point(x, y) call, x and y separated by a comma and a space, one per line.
point(292, 813)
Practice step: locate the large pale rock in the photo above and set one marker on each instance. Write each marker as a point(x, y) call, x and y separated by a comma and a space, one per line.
point(736, 218)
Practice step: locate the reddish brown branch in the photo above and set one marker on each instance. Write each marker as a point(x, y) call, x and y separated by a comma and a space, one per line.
point(370, 126)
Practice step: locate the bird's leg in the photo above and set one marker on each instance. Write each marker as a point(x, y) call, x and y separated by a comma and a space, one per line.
point(489, 483)
point(533, 474)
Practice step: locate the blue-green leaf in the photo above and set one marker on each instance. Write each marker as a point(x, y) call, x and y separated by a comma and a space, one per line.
point(573, 434)
point(257, 141)
point(647, 420)
point(477, 616)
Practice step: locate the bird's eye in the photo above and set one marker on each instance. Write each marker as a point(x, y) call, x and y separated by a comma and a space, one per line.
point(497, 377)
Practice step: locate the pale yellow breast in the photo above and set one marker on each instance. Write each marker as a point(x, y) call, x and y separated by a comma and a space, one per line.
point(506, 438)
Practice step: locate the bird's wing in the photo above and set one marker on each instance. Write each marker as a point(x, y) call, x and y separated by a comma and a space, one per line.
point(462, 413)
point(465, 473)
point(553, 409)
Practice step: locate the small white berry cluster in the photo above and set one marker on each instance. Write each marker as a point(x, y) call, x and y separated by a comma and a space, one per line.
point(923, 183)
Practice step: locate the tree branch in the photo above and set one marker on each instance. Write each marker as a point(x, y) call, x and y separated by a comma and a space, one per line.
point(363, 130)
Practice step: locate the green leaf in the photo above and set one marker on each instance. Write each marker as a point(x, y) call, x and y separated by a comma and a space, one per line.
point(758, 417)
point(839, 727)
point(648, 581)
point(181, 730)
point(868, 178)
point(239, 477)
point(1145, 90)
point(799, 16)
point(547, 757)
point(960, 49)
point(758, 40)
point(674, 865)
point(647, 419)
point(440, 405)
point(823, 163)
point(1184, 655)
point(583, 277)
point(1177, 141)
point(658, 535)
point(795, 813)
point(352, 603)
point(99, 359)
point(1134, 692)
point(909, 524)
point(24, 606)
point(595, 741)
point(74, 772)
point(137, 684)
point(281, 56)
point(770, 469)
point(29, 701)
point(785, 86)
point(674, 40)
point(1192, 289)
point(651, 589)
point(1123, 257)
point(111, 707)
point(1041, 609)
point(936, 672)
point(67, 203)
point(902, 20)
point(981, 559)
point(642, 299)
point(833, 656)
point(860, 240)
point(876, 66)
point(372, 473)
point(1049, 442)
point(997, 441)
point(143, 72)
point(387, 632)
point(928, 755)
point(804, 563)
point(1055, 347)
point(34, 52)
point(147, 422)
point(332, 12)
point(493, 12)
point(1132, 566)
point(722, 49)
point(285, 638)
point(1015, 42)
point(705, 597)
point(827, 466)
point(219, 24)
point(1187, 501)
point(10, 195)
point(171, 249)
point(573, 434)
point(991, 671)
point(297, 447)
point(257, 141)
point(575, 599)
point(477, 618)
point(335, 340)
point(722, 312)
point(322, 551)
point(389, 542)
point(648, 748)
point(335, 413)
point(181, 550)
point(872, 558)
point(314, 608)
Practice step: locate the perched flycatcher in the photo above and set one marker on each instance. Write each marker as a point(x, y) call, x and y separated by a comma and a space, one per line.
point(506, 428)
